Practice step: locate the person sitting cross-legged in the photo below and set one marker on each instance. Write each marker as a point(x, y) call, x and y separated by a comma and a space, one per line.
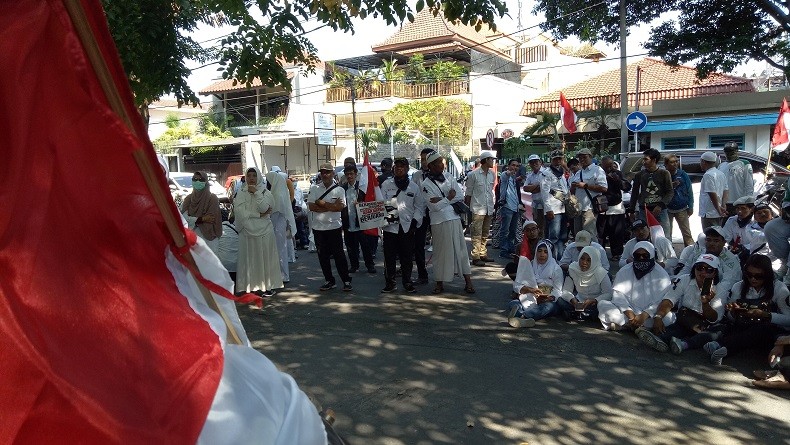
point(539, 286)
point(587, 284)
point(690, 326)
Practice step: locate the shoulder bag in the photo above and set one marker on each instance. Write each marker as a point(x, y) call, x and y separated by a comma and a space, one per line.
point(599, 203)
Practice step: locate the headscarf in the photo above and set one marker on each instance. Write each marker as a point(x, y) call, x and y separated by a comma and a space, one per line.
point(543, 272)
point(203, 202)
point(643, 267)
point(282, 198)
point(527, 250)
point(260, 179)
point(593, 275)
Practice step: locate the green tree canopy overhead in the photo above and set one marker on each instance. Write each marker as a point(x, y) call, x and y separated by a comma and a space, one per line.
point(152, 35)
point(714, 35)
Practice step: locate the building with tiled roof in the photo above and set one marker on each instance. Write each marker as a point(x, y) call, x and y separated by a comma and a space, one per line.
point(658, 81)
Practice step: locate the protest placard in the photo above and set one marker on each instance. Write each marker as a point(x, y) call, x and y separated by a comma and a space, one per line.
point(371, 214)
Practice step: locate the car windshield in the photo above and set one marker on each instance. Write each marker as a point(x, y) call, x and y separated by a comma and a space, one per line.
point(183, 181)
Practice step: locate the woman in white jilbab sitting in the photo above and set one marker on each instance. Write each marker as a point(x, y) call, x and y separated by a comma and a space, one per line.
point(637, 290)
point(586, 285)
point(539, 285)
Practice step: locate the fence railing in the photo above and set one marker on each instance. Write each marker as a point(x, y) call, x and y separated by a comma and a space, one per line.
point(403, 90)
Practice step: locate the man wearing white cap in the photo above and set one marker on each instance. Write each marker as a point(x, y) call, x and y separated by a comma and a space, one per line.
point(532, 184)
point(586, 184)
point(739, 174)
point(729, 264)
point(573, 250)
point(738, 227)
point(479, 196)
point(712, 191)
point(777, 233)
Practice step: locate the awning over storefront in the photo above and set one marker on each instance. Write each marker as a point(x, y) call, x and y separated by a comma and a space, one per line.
point(693, 123)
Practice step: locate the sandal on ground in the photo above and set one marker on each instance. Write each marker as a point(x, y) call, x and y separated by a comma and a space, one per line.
point(771, 384)
point(438, 289)
point(765, 375)
point(469, 289)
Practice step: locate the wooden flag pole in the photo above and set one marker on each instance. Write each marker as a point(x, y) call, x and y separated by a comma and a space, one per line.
point(89, 44)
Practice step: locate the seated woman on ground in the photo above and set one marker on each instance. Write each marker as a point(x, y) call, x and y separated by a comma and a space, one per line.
point(539, 285)
point(637, 290)
point(758, 309)
point(691, 327)
point(587, 284)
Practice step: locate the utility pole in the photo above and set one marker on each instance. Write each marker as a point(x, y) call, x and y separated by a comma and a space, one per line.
point(623, 82)
point(354, 118)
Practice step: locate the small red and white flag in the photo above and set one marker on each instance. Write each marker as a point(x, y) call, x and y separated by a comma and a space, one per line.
point(780, 138)
point(567, 115)
point(656, 230)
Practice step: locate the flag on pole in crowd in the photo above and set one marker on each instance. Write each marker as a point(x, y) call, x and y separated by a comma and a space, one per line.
point(369, 182)
point(656, 230)
point(113, 327)
point(457, 165)
point(780, 138)
point(567, 115)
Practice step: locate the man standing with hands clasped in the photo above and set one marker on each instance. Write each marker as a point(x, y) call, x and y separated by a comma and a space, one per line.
point(326, 200)
point(587, 183)
point(712, 194)
point(479, 196)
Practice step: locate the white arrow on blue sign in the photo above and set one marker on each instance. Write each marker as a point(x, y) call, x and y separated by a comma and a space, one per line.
point(636, 121)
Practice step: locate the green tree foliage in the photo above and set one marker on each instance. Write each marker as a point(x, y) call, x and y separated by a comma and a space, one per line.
point(416, 71)
point(715, 35)
point(152, 36)
point(390, 71)
point(450, 117)
point(443, 71)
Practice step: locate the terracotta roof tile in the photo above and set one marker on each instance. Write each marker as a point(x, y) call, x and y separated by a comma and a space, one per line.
point(427, 30)
point(226, 85)
point(658, 81)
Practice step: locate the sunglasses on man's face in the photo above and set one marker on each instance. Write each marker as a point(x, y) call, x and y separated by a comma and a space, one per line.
point(705, 269)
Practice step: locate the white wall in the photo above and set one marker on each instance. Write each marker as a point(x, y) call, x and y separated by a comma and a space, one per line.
point(756, 137)
point(496, 100)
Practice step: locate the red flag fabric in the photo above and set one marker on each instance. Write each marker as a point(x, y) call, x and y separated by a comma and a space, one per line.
point(656, 230)
point(780, 139)
point(98, 344)
point(567, 115)
point(372, 190)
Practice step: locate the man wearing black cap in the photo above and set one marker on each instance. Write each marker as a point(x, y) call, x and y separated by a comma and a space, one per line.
point(386, 170)
point(740, 176)
point(405, 198)
point(663, 247)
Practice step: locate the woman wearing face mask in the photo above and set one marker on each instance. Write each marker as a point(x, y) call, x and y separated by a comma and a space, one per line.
point(539, 285)
point(201, 211)
point(258, 268)
point(637, 290)
point(758, 309)
point(587, 284)
point(694, 323)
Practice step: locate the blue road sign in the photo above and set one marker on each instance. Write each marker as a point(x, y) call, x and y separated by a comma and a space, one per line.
point(636, 121)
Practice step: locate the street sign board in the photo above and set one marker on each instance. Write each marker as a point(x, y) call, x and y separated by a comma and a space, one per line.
point(325, 121)
point(636, 121)
point(325, 137)
point(490, 139)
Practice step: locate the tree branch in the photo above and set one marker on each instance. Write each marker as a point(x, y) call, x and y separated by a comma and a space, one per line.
point(757, 54)
point(774, 11)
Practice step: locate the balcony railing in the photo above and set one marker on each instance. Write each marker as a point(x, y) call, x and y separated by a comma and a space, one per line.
point(399, 89)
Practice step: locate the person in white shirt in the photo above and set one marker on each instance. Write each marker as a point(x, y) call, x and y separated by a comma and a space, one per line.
point(586, 285)
point(712, 191)
point(450, 256)
point(757, 241)
point(739, 174)
point(480, 199)
point(738, 227)
point(688, 256)
point(405, 198)
point(664, 250)
point(729, 264)
point(759, 306)
point(573, 250)
point(688, 327)
point(553, 190)
point(637, 290)
point(586, 184)
point(421, 232)
point(283, 220)
point(326, 200)
point(539, 287)
point(532, 185)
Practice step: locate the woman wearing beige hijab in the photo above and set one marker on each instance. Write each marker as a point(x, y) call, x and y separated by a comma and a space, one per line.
point(201, 211)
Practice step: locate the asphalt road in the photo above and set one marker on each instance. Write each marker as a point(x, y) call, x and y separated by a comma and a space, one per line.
point(425, 369)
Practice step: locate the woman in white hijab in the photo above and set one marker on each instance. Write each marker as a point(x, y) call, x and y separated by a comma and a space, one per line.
point(282, 218)
point(637, 291)
point(256, 270)
point(587, 284)
point(539, 285)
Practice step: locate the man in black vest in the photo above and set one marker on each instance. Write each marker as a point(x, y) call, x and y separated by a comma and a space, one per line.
point(613, 224)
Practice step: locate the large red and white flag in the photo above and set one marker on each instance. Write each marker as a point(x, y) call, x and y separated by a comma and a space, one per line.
point(656, 230)
point(107, 337)
point(780, 139)
point(370, 183)
point(567, 115)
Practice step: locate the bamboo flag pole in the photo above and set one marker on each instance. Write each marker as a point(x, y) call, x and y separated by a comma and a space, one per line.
point(89, 44)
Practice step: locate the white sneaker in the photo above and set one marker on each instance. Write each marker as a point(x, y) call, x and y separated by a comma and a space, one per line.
point(518, 322)
point(676, 345)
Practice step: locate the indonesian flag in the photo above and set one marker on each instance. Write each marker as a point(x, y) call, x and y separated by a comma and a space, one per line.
point(780, 139)
point(656, 230)
point(107, 335)
point(567, 115)
point(369, 182)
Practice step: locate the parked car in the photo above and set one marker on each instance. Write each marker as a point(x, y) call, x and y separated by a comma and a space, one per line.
point(181, 185)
